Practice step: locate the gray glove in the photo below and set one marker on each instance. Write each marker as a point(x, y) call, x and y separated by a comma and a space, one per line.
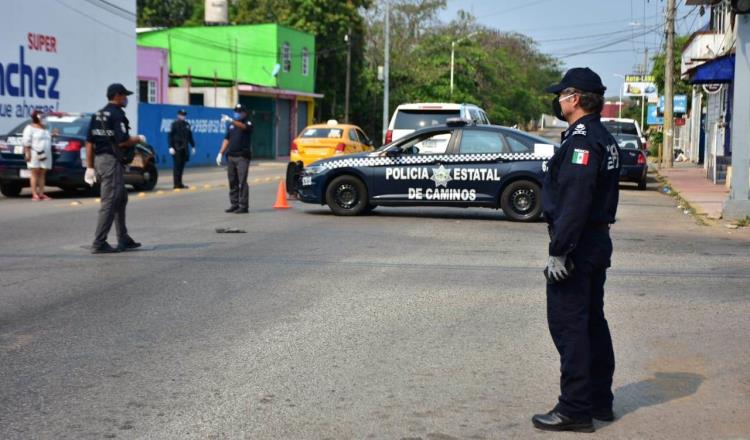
point(558, 268)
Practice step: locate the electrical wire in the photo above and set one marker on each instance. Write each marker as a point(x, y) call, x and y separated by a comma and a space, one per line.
point(113, 9)
point(108, 26)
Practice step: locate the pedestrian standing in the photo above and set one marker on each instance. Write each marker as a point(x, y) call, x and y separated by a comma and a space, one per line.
point(237, 147)
point(181, 146)
point(579, 199)
point(37, 144)
point(108, 149)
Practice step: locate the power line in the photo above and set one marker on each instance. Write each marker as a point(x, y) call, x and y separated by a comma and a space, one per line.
point(112, 9)
point(106, 25)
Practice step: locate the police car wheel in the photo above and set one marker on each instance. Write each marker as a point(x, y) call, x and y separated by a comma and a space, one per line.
point(10, 189)
point(522, 201)
point(347, 195)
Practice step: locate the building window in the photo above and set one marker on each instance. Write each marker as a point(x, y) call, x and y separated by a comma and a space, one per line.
point(196, 98)
point(305, 61)
point(286, 57)
point(147, 91)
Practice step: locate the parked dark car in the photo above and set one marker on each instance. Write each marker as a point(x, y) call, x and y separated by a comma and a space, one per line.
point(68, 157)
point(634, 165)
point(452, 165)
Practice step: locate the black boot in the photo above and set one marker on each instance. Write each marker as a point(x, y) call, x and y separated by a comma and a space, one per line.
point(555, 421)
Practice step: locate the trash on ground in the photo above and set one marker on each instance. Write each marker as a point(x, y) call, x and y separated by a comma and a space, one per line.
point(230, 231)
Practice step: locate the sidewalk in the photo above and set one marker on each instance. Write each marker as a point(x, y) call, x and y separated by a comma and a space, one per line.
point(690, 181)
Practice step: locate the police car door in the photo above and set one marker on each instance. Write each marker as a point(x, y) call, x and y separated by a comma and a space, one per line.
point(415, 167)
point(479, 168)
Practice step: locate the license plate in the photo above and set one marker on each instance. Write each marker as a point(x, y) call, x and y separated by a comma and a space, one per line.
point(24, 173)
point(18, 149)
point(306, 181)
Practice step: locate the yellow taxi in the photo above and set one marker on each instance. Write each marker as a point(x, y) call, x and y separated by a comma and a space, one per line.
point(320, 141)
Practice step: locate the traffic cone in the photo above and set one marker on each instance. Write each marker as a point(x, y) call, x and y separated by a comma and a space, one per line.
point(281, 202)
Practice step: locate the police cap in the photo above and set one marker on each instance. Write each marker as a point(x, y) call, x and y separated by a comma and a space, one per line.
point(117, 89)
point(239, 108)
point(181, 112)
point(580, 78)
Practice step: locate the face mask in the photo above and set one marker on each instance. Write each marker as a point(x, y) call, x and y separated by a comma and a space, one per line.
point(557, 109)
point(125, 101)
point(181, 117)
point(237, 116)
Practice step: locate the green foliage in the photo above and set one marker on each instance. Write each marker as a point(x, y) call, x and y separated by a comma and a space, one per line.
point(681, 87)
point(165, 13)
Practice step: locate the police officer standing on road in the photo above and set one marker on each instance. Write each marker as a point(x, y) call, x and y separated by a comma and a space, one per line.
point(106, 144)
point(237, 147)
point(180, 139)
point(579, 199)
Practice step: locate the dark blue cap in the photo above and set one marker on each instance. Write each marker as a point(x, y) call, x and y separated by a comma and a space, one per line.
point(580, 78)
point(239, 108)
point(181, 112)
point(117, 89)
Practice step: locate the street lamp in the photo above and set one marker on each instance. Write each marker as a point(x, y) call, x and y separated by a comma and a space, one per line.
point(453, 55)
point(622, 86)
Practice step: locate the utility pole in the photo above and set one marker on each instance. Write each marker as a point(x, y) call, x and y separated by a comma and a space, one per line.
point(348, 40)
point(643, 98)
point(453, 54)
point(669, 88)
point(386, 65)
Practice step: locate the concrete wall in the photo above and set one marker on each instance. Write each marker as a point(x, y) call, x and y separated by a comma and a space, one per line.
point(153, 64)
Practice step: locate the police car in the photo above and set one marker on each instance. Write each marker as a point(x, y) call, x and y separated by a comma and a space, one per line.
point(457, 164)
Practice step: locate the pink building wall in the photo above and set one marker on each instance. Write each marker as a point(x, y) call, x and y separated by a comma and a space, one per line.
point(153, 64)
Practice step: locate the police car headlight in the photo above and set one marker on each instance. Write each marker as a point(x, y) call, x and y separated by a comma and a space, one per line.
point(315, 169)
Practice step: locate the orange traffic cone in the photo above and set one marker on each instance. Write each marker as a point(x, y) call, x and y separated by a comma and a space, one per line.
point(281, 202)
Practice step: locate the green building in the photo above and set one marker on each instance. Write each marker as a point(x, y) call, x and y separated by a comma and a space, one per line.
point(267, 67)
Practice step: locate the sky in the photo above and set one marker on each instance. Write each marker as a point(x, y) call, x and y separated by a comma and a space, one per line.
point(609, 36)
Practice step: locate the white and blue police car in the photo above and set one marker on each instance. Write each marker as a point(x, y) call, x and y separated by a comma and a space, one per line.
point(458, 164)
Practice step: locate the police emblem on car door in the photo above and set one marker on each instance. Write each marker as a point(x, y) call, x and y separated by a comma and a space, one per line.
point(415, 169)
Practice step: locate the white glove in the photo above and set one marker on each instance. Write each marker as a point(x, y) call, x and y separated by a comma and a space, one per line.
point(192, 152)
point(171, 151)
point(142, 138)
point(556, 270)
point(226, 118)
point(218, 160)
point(90, 176)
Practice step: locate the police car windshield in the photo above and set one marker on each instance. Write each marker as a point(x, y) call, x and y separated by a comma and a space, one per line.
point(418, 119)
point(333, 133)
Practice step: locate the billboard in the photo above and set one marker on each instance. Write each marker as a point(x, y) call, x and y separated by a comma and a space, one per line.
point(680, 105)
point(208, 131)
point(639, 85)
point(60, 56)
point(653, 117)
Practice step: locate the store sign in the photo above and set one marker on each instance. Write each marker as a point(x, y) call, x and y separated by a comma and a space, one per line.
point(653, 118)
point(679, 105)
point(639, 85)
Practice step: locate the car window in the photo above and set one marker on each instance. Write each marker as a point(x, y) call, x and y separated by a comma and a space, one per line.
point(617, 127)
point(429, 143)
point(519, 144)
point(335, 133)
point(363, 137)
point(418, 119)
point(628, 141)
point(486, 119)
point(481, 141)
point(353, 135)
point(475, 116)
point(68, 126)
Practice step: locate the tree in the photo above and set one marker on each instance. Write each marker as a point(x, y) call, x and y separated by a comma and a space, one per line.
point(164, 13)
point(681, 87)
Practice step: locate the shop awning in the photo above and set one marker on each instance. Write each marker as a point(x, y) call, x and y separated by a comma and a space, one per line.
point(716, 71)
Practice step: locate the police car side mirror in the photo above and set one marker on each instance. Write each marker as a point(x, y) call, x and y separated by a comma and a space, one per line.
point(393, 152)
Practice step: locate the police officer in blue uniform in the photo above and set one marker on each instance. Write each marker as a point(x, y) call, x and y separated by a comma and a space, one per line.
point(181, 144)
point(238, 148)
point(579, 200)
point(106, 144)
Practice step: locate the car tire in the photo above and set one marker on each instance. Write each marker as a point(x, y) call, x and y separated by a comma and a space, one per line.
point(151, 177)
point(369, 208)
point(642, 184)
point(11, 189)
point(521, 201)
point(347, 195)
point(293, 176)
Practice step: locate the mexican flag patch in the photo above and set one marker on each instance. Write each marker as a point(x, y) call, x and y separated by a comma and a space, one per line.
point(580, 157)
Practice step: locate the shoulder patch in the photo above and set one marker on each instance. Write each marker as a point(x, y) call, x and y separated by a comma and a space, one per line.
point(580, 129)
point(580, 157)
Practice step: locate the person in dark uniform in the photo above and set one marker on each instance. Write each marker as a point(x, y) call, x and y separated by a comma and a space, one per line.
point(181, 146)
point(108, 138)
point(237, 147)
point(579, 199)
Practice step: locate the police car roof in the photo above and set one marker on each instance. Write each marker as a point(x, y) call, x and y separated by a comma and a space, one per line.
point(434, 106)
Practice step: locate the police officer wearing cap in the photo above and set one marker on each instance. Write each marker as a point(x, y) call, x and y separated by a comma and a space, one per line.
point(237, 147)
point(106, 144)
point(579, 199)
point(181, 145)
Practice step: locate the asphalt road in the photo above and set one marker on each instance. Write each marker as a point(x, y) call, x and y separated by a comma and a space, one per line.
point(405, 324)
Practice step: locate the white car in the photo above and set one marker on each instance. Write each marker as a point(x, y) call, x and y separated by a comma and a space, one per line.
point(411, 117)
point(624, 126)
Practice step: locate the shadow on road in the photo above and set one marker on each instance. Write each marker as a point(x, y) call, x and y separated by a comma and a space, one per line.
point(661, 388)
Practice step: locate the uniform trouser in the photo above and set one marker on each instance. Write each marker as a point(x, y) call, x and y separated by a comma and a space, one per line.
point(180, 158)
point(237, 170)
point(114, 198)
point(575, 314)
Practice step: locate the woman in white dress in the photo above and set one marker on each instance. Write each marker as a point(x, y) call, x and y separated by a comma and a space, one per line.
point(37, 144)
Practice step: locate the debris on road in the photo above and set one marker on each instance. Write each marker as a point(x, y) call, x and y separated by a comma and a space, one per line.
point(230, 231)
